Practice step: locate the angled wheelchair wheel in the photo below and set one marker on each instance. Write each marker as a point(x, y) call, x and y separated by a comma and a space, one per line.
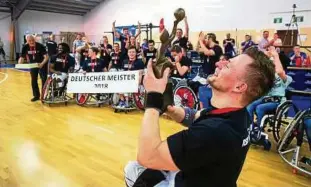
point(280, 119)
point(291, 131)
point(139, 98)
point(287, 149)
point(46, 90)
point(185, 97)
point(115, 99)
point(82, 98)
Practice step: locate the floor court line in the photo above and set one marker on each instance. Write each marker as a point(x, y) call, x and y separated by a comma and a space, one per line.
point(25, 71)
point(104, 129)
point(6, 76)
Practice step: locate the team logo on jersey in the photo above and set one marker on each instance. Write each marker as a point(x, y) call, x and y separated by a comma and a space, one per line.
point(60, 60)
point(247, 140)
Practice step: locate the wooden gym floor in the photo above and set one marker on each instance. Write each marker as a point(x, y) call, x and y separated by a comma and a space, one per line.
point(72, 146)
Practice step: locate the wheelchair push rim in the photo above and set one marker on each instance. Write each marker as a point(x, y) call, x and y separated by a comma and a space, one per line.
point(284, 148)
point(139, 98)
point(278, 119)
point(46, 90)
point(82, 98)
point(185, 97)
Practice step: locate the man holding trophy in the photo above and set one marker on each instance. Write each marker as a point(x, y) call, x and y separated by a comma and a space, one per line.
point(212, 150)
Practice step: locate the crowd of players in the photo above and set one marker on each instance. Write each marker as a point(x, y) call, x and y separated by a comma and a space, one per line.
point(128, 54)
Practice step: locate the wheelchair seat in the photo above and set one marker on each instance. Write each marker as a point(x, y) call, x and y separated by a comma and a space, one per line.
point(271, 112)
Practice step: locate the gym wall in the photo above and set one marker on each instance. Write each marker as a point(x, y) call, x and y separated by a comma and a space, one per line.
point(5, 22)
point(220, 16)
point(38, 22)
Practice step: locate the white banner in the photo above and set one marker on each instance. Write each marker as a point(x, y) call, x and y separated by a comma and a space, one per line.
point(107, 82)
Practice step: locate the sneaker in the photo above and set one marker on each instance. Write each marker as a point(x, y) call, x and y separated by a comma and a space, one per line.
point(121, 104)
point(34, 99)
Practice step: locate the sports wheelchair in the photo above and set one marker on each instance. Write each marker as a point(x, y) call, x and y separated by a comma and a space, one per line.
point(83, 99)
point(186, 91)
point(134, 100)
point(184, 96)
point(54, 89)
point(291, 151)
point(275, 119)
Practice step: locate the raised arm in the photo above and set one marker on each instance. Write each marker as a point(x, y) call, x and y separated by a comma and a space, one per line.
point(139, 30)
point(186, 27)
point(117, 35)
point(203, 48)
point(173, 33)
point(277, 62)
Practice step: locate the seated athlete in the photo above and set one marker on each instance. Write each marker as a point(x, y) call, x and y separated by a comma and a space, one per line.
point(125, 36)
point(276, 95)
point(131, 64)
point(84, 52)
point(117, 57)
point(182, 38)
point(213, 148)
point(149, 53)
point(181, 63)
point(94, 64)
point(62, 64)
point(131, 42)
point(105, 49)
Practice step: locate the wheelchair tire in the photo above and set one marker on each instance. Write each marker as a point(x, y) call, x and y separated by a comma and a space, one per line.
point(46, 89)
point(290, 132)
point(185, 97)
point(278, 123)
point(81, 99)
point(139, 99)
point(115, 99)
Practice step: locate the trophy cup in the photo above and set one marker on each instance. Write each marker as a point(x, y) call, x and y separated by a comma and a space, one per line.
point(162, 62)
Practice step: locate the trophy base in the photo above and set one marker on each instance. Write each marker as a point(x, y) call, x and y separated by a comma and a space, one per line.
point(168, 98)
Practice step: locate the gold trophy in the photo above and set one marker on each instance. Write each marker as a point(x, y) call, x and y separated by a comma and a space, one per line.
point(162, 62)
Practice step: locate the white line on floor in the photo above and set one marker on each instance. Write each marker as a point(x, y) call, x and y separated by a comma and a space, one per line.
point(104, 129)
point(6, 76)
point(25, 71)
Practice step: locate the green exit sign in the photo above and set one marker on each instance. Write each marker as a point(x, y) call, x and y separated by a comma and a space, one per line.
point(299, 19)
point(277, 20)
